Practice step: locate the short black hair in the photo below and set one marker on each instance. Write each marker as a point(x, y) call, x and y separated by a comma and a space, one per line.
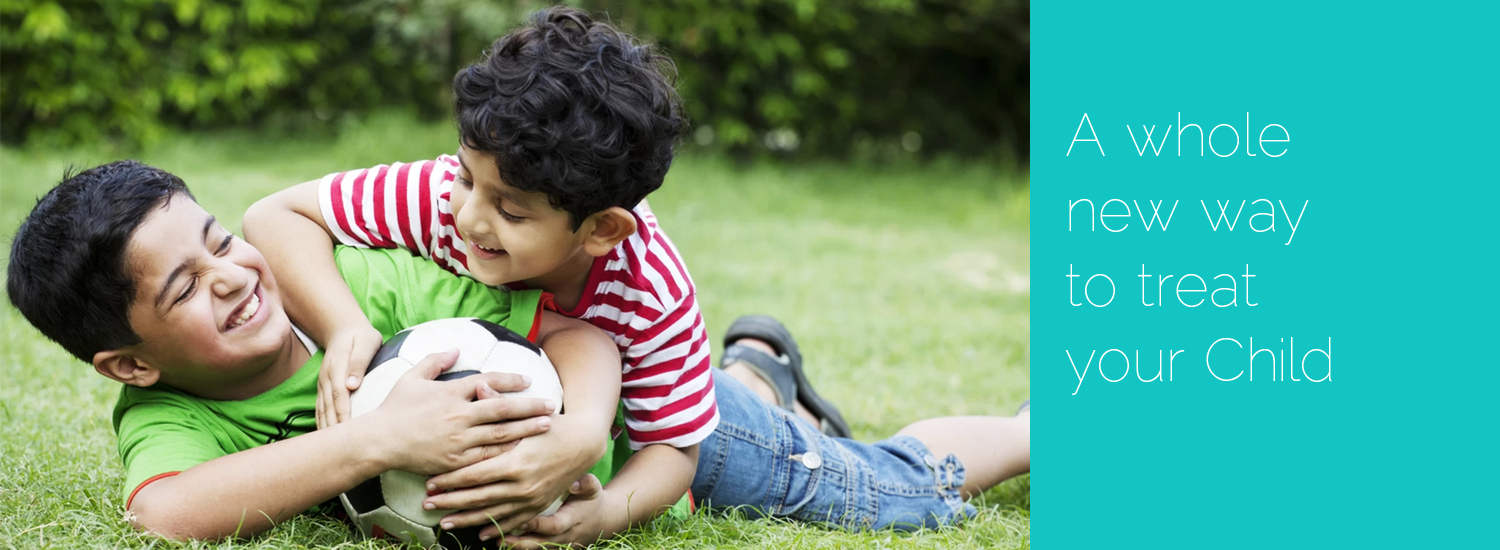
point(68, 273)
point(575, 109)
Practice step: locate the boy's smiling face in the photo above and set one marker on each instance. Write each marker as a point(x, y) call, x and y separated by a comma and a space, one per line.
point(512, 235)
point(206, 305)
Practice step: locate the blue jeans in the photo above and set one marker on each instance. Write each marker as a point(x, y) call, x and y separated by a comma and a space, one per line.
point(768, 462)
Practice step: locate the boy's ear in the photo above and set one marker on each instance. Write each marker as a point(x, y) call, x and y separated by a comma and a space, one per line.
point(119, 365)
point(605, 229)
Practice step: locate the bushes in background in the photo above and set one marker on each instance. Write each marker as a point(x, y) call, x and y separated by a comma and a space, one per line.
point(850, 78)
point(862, 78)
point(84, 70)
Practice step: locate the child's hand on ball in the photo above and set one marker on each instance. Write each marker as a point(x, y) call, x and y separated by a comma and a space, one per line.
point(344, 363)
point(581, 520)
point(430, 427)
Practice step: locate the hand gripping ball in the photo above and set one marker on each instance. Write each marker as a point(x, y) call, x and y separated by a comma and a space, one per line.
point(390, 505)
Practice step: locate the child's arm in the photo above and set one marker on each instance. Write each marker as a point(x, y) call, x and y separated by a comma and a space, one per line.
point(588, 365)
point(672, 467)
point(423, 427)
point(652, 479)
point(525, 480)
point(290, 232)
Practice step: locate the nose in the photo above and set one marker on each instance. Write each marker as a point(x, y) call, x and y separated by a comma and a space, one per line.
point(228, 279)
point(468, 218)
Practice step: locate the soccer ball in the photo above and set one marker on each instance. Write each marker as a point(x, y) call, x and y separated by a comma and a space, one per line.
point(390, 505)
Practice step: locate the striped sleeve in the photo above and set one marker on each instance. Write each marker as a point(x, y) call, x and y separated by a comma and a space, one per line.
point(388, 206)
point(667, 387)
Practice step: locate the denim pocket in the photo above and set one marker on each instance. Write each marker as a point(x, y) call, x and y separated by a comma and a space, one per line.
point(825, 484)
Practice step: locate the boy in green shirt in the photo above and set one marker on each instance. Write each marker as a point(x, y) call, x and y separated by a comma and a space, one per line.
point(216, 427)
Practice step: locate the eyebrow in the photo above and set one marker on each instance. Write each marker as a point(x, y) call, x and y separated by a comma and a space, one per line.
point(508, 194)
point(162, 294)
point(514, 198)
point(460, 156)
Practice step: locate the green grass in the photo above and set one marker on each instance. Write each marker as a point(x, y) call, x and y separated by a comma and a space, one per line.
point(907, 286)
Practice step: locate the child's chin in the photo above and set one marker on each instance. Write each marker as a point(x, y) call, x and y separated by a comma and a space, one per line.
point(487, 275)
point(277, 322)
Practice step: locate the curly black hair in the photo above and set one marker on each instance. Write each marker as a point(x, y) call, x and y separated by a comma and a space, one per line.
point(68, 271)
point(575, 109)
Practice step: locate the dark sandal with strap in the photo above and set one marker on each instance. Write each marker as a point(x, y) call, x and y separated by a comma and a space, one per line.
point(783, 372)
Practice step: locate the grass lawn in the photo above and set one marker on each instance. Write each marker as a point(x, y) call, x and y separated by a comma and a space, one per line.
point(907, 287)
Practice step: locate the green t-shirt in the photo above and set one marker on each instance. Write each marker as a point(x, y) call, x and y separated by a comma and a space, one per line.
point(162, 430)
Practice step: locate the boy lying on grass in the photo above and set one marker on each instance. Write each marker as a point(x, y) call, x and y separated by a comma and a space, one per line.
point(565, 126)
point(120, 266)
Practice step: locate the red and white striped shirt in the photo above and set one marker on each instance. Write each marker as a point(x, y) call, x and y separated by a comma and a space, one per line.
point(640, 293)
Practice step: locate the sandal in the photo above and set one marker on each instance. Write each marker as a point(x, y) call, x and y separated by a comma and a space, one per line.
point(782, 372)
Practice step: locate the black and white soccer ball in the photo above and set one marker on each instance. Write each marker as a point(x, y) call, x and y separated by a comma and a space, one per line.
point(390, 505)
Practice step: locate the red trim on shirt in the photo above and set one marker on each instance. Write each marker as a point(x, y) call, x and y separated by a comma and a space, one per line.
point(543, 304)
point(692, 506)
point(144, 484)
point(591, 286)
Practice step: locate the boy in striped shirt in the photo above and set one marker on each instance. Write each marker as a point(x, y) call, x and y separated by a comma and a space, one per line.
point(566, 125)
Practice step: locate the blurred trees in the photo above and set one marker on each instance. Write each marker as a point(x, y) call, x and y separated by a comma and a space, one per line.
point(84, 70)
point(863, 79)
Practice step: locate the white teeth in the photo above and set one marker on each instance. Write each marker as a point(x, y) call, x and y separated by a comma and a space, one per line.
point(247, 313)
point(251, 308)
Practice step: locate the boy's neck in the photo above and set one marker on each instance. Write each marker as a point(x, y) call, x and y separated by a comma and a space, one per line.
point(291, 357)
point(568, 282)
